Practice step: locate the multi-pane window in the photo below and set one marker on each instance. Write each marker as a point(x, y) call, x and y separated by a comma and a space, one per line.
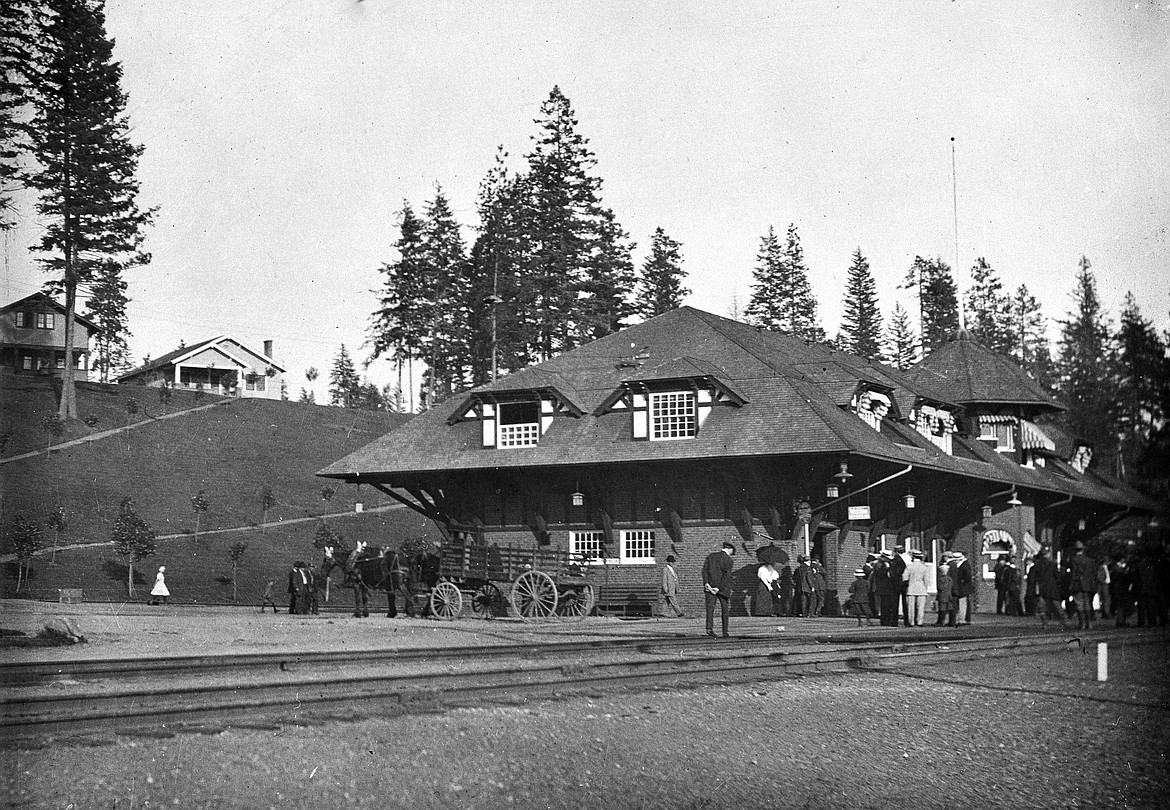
point(587, 545)
point(519, 424)
point(44, 320)
point(672, 415)
point(637, 546)
point(21, 319)
point(1002, 432)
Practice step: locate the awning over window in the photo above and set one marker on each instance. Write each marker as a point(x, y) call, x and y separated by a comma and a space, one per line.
point(1033, 438)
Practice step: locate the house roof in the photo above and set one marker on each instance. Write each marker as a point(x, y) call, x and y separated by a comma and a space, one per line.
point(794, 396)
point(177, 356)
point(967, 372)
point(47, 300)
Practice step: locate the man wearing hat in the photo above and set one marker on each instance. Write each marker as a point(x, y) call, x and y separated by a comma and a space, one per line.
point(1084, 586)
point(888, 585)
point(670, 589)
point(805, 586)
point(1045, 578)
point(916, 589)
point(962, 585)
point(717, 586)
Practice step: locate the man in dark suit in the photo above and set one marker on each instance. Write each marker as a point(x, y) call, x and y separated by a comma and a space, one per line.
point(717, 586)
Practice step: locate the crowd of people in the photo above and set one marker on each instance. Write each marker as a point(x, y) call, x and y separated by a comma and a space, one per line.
point(893, 587)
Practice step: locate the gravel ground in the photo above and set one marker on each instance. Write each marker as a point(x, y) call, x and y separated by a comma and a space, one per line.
point(1023, 731)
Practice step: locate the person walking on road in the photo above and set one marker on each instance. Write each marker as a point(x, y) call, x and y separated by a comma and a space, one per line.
point(159, 594)
point(717, 586)
point(269, 599)
point(670, 589)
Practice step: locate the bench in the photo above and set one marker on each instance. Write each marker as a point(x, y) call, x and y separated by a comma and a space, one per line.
point(628, 600)
point(69, 595)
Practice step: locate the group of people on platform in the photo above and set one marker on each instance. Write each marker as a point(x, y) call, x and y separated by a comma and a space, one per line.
point(893, 587)
point(1128, 585)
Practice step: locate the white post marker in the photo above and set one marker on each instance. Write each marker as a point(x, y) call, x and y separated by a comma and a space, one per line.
point(1102, 662)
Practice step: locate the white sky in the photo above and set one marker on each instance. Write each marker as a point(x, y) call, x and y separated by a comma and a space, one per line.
point(282, 137)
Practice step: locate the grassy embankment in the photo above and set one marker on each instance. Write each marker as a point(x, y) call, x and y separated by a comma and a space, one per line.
point(232, 452)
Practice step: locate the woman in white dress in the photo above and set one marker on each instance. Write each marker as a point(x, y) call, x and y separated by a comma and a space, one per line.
point(159, 592)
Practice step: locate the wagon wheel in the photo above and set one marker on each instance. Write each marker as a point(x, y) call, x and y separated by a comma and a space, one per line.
point(446, 601)
point(534, 595)
point(576, 603)
point(487, 601)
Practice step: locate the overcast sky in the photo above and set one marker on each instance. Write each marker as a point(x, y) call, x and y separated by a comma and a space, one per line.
point(282, 137)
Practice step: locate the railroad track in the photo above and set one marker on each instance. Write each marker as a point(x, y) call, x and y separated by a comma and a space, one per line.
point(201, 692)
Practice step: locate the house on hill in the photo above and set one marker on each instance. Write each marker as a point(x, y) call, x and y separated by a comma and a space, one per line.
point(690, 429)
point(32, 338)
point(221, 365)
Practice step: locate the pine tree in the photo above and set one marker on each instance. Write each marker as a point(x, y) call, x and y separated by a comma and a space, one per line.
point(762, 309)
point(1087, 368)
point(861, 325)
point(19, 21)
point(106, 307)
point(86, 173)
point(579, 268)
point(396, 326)
point(1142, 392)
point(938, 302)
point(343, 380)
point(444, 302)
point(902, 343)
point(660, 286)
point(989, 309)
point(1029, 341)
point(781, 296)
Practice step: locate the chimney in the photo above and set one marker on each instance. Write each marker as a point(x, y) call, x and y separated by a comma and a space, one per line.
point(268, 349)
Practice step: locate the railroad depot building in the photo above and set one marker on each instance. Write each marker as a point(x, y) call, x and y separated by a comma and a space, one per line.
point(690, 429)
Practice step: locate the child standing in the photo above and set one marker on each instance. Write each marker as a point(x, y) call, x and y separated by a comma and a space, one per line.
point(859, 594)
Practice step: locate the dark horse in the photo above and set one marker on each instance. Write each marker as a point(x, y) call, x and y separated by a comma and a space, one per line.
point(371, 568)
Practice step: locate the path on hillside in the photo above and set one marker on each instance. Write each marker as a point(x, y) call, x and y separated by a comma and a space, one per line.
point(251, 527)
point(93, 437)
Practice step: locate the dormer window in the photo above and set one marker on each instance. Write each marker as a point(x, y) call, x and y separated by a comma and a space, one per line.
point(999, 432)
point(1082, 456)
point(871, 407)
point(937, 425)
point(672, 415)
point(519, 424)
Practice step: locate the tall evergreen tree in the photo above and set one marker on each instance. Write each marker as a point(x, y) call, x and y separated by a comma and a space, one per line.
point(781, 295)
point(938, 302)
point(579, 270)
point(660, 286)
point(106, 307)
point(445, 301)
point(902, 351)
point(1087, 367)
point(1142, 391)
point(989, 309)
point(861, 325)
point(19, 22)
point(761, 309)
point(1029, 338)
point(496, 272)
point(344, 384)
point(399, 324)
point(80, 136)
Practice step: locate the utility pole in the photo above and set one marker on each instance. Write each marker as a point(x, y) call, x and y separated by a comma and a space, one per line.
point(955, 208)
point(494, 301)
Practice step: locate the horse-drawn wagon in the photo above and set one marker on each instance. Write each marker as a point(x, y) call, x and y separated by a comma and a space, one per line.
point(541, 582)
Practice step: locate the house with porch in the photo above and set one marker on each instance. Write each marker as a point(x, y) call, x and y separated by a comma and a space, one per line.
point(690, 429)
point(32, 338)
point(221, 365)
